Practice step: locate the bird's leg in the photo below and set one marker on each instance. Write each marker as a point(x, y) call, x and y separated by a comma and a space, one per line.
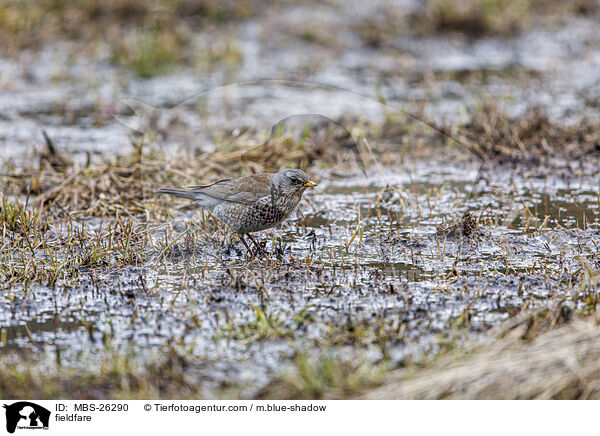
point(262, 250)
point(248, 250)
point(241, 236)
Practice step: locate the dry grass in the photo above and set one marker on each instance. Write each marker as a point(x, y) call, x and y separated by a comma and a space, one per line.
point(29, 23)
point(471, 18)
point(151, 52)
point(117, 377)
point(475, 17)
point(323, 378)
point(150, 38)
point(528, 138)
point(492, 135)
point(492, 17)
point(528, 362)
point(465, 228)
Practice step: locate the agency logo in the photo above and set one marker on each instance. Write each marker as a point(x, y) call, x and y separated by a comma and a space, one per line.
point(26, 415)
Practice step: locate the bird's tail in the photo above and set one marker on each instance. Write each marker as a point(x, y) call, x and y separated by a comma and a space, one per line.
point(178, 192)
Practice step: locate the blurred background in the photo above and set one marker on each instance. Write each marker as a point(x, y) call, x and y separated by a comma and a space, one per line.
point(66, 66)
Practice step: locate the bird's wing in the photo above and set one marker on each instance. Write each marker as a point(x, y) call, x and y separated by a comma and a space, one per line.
point(246, 190)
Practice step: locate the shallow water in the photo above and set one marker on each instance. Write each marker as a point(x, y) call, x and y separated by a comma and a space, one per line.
point(396, 278)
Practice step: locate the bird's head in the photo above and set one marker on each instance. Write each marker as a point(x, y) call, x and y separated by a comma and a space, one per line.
point(292, 181)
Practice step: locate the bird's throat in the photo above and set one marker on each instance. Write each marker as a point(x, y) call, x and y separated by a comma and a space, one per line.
point(285, 202)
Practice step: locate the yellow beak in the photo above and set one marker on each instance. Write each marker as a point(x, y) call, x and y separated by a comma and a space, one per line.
point(309, 184)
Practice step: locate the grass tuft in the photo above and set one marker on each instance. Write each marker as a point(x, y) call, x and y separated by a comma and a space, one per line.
point(150, 52)
point(326, 377)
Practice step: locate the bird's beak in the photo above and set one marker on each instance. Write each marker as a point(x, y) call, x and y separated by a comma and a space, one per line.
point(309, 184)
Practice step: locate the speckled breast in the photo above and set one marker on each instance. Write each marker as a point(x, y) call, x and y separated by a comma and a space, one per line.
point(247, 218)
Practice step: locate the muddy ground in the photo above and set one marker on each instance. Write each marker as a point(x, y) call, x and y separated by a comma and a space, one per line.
point(457, 157)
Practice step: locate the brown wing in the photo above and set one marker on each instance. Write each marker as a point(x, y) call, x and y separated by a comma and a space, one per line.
point(246, 190)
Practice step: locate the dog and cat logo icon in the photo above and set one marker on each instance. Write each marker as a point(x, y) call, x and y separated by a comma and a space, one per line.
point(26, 415)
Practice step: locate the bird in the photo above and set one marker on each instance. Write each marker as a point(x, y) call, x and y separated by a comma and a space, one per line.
point(249, 204)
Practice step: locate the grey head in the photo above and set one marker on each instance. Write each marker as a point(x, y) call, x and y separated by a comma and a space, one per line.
point(291, 181)
point(288, 187)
